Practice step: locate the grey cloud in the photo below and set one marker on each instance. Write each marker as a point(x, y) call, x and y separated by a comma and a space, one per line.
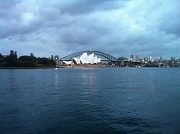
point(84, 7)
point(116, 27)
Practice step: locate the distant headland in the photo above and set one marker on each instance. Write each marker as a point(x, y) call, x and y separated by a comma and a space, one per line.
point(12, 61)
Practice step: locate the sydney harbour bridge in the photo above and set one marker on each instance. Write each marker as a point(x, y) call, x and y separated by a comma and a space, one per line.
point(104, 57)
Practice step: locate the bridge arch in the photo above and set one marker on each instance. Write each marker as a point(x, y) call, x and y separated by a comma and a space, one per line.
point(103, 56)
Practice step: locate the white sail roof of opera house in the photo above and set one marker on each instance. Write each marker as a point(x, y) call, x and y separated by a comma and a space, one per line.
point(76, 60)
point(67, 62)
point(85, 59)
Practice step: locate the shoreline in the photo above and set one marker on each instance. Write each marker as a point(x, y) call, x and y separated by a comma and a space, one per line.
point(75, 67)
point(27, 67)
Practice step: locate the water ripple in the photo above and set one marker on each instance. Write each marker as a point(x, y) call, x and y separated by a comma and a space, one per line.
point(126, 100)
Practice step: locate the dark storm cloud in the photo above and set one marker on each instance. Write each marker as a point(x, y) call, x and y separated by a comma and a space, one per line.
point(83, 7)
point(118, 27)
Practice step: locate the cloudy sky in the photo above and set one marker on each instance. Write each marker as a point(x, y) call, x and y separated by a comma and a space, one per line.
point(117, 27)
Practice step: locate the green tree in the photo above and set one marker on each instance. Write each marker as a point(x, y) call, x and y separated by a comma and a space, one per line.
point(10, 60)
point(5, 64)
point(45, 62)
point(27, 61)
point(1, 56)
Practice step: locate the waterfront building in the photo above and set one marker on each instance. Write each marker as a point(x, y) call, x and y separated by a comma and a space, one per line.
point(52, 57)
point(56, 58)
point(149, 59)
point(137, 58)
point(67, 62)
point(131, 58)
point(160, 59)
point(84, 59)
point(173, 59)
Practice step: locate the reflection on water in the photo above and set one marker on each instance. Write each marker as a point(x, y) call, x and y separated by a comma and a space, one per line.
point(87, 77)
point(56, 79)
point(56, 84)
point(124, 100)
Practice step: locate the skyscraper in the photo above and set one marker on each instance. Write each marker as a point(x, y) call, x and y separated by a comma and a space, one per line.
point(56, 58)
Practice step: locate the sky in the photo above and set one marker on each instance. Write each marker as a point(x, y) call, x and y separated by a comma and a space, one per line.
point(117, 27)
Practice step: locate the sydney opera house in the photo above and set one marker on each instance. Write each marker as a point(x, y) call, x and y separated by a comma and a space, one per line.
point(84, 60)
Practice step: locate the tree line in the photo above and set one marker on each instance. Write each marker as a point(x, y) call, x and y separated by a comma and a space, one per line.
point(12, 60)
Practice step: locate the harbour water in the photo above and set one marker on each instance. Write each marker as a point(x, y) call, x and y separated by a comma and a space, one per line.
point(90, 101)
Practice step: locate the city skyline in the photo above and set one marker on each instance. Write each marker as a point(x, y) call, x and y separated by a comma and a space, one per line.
point(85, 59)
point(120, 28)
point(131, 57)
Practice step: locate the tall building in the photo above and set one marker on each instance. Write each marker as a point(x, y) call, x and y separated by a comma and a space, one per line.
point(173, 59)
point(137, 58)
point(56, 58)
point(131, 58)
point(52, 57)
point(160, 59)
point(150, 58)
